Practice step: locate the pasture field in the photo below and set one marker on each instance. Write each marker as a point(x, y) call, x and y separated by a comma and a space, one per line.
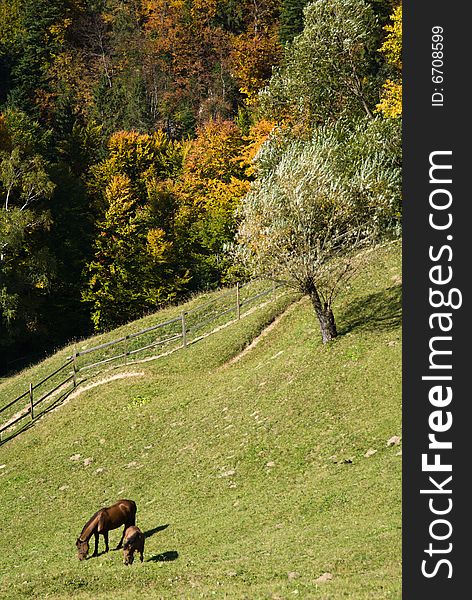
point(253, 477)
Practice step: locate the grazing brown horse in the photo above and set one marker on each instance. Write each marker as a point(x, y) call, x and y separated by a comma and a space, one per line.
point(133, 542)
point(122, 512)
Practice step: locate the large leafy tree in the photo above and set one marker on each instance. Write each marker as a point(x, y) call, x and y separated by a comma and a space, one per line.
point(314, 206)
point(27, 266)
point(134, 267)
point(330, 68)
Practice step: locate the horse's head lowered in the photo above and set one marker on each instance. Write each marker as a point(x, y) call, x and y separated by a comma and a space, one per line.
point(128, 554)
point(82, 548)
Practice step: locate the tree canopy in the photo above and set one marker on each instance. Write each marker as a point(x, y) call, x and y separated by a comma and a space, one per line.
point(314, 205)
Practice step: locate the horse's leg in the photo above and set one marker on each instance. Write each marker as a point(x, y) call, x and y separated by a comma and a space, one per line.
point(101, 528)
point(95, 552)
point(105, 535)
point(122, 537)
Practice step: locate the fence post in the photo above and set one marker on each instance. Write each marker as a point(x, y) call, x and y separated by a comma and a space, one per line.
point(238, 303)
point(184, 330)
point(126, 349)
point(74, 366)
point(31, 400)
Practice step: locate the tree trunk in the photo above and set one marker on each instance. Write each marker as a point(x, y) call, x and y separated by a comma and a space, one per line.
point(324, 314)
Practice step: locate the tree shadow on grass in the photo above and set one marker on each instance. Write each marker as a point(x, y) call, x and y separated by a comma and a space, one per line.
point(381, 311)
point(164, 556)
point(151, 532)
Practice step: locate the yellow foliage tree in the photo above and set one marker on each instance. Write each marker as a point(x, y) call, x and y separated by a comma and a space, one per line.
point(135, 266)
point(214, 179)
point(10, 23)
point(251, 60)
point(258, 134)
point(391, 100)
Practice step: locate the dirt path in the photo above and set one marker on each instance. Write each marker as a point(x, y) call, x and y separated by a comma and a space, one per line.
point(123, 375)
point(264, 333)
point(81, 389)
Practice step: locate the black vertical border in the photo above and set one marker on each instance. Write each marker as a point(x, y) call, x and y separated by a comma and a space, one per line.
point(428, 129)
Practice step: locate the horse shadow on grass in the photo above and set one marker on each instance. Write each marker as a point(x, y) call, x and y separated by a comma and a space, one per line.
point(101, 553)
point(381, 311)
point(164, 556)
point(151, 532)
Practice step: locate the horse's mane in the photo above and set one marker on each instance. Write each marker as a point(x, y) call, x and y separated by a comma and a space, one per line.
point(88, 522)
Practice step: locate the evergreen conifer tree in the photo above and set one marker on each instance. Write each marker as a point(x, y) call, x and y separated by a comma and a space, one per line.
point(291, 19)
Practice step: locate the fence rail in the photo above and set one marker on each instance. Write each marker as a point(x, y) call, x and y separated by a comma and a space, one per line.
point(170, 335)
point(48, 377)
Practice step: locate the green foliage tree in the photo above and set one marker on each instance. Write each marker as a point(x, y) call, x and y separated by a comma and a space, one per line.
point(42, 25)
point(10, 23)
point(382, 8)
point(314, 206)
point(10, 31)
point(27, 266)
point(329, 69)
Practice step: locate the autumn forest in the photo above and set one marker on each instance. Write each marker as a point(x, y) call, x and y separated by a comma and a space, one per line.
point(150, 149)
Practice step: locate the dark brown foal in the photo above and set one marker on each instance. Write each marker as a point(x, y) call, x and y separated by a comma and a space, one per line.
point(133, 542)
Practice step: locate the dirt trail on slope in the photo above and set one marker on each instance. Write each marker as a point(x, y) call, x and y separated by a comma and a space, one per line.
point(81, 389)
point(264, 333)
point(84, 388)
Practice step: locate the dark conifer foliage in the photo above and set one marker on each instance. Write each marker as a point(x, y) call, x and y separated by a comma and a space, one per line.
point(291, 19)
point(39, 40)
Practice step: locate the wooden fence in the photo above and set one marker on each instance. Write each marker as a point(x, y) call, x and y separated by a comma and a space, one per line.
point(187, 328)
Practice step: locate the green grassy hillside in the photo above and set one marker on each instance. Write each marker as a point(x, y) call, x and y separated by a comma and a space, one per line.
point(257, 467)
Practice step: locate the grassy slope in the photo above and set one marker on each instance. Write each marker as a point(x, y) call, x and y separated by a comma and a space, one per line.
point(14, 386)
point(243, 462)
